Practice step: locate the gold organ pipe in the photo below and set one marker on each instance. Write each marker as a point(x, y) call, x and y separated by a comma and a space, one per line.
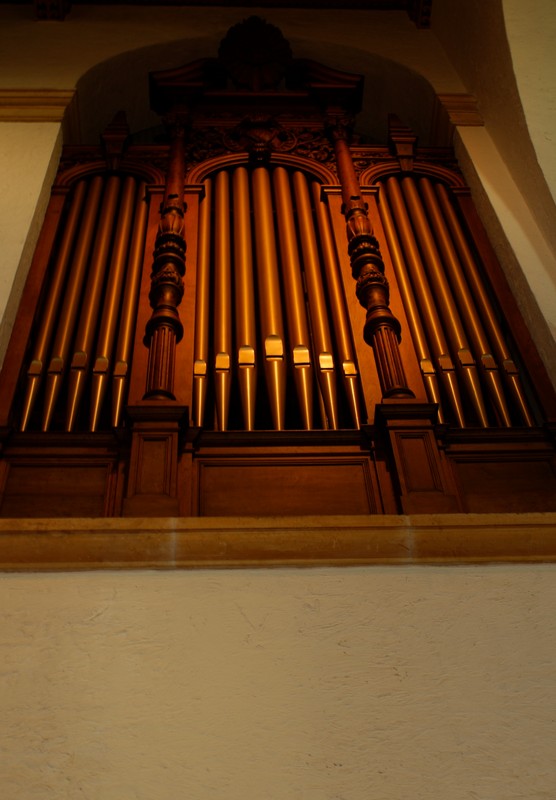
point(298, 328)
point(425, 300)
point(49, 315)
point(129, 308)
point(111, 301)
point(317, 301)
point(202, 307)
point(246, 336)
point(482, 300)
point(269, 296)
point(448, 308)
point(340, 320)
point(419, 336)
point(70, 306)
point(465, 301)
point(222, 299)
point(88, 321)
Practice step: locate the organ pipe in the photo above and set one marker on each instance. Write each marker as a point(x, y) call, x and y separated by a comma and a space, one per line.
point(448, 307)
point(91, 300)
point(202, 306)
point(222, 300)
point(246, 337)
point(49, 316)
point(111, 300)
point(340, 318)
point(70, 304)
point(298, 328)
point(488, 315)
point(269, 296)
point(465, 302)
point(317, 302)
point(425, 300)
point(124, 344)
point(411, 306)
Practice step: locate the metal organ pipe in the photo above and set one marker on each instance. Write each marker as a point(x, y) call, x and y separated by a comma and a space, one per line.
point(122, 358)
point(70, 306)
point(340, 320)
point(269, 296)
point(425, 299)
point(50, 313)
point(298, 328)
point(202, 307)
point(246, 336)
point(111, 300)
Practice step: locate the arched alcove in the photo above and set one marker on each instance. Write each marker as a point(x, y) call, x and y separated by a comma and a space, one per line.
point(122, 82)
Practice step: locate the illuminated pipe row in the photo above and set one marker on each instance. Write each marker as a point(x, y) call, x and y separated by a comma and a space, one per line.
point(446, 301)
point(488, 316)
point(246, 334)
point(298, 326)
point(425, 300)
point(35, 373)
point(411, 306)
point(465, 302)
point(317, 302)
point(71, 304)
point(282, 217)
point(270, 303)
point(124, 345)
point(88, 319)
point(107, 279)
point(340, 319)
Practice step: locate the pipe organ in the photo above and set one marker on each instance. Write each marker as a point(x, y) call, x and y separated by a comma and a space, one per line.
point(257, 317)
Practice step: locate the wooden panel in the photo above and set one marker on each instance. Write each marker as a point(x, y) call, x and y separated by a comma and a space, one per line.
point(53, 490)
point(260, 487)
point(512, 486)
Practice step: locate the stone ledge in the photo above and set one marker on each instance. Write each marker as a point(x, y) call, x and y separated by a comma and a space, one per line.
point(213, 542)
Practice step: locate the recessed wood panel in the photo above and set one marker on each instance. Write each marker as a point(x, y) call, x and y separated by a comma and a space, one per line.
point(511, 486)
point(50, 490)
point(260, 488)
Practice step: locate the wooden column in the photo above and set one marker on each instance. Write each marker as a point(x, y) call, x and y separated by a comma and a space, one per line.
point(158, 420)
point(382, 329)
point(164, 328)
point(423, 475)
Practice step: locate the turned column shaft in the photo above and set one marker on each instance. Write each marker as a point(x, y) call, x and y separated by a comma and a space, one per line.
point(382, 329)
point(164, 329)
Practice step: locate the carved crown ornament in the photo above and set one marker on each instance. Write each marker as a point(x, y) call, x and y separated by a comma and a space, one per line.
point(255, 97)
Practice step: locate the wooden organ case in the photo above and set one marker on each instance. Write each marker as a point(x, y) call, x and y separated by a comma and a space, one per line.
point(258, 317)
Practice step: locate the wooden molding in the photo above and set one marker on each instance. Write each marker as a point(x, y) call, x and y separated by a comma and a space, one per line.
point(452, 111)
point(42, 105)
point(213, 542)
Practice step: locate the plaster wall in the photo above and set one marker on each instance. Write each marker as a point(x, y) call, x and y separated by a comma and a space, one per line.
point(429, 683)
point(29, 154)
point(515, 235)
point(534, 74)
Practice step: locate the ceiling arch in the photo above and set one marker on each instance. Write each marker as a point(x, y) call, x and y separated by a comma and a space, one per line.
point(121, 83)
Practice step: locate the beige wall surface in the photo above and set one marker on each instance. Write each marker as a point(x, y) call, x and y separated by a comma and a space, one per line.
point(29, 154)
point(394, 683)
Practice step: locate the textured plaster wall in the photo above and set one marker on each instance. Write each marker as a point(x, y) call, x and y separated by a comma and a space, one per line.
point(406, 683)
point(29, 154)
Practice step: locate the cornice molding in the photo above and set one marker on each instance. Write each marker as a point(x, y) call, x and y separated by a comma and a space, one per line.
point(452, 111)
point(212, 542)
point(42, 105)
